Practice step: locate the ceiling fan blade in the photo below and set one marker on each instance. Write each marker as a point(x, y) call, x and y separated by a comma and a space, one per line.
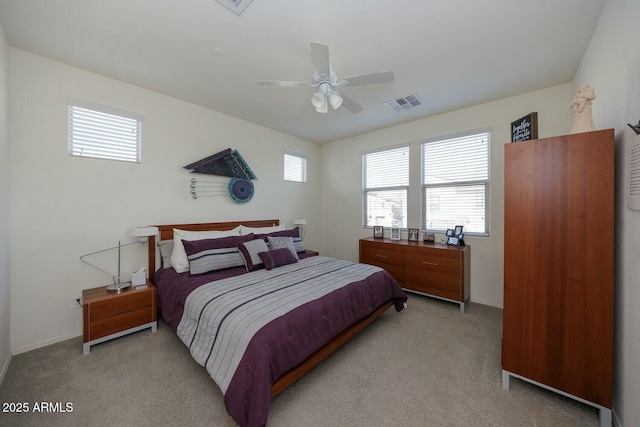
point(350, 104)
point(320, 58)
point(283, 83)
point(367, 79)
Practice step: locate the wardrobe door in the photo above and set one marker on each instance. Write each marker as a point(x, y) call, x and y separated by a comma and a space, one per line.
point(558, 263)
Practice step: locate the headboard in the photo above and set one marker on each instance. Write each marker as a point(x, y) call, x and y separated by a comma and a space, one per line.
point(166, 232)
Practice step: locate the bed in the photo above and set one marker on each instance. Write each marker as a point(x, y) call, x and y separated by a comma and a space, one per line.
point(258, 332)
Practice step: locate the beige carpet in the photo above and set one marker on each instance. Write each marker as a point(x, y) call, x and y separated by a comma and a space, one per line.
point(426, 366)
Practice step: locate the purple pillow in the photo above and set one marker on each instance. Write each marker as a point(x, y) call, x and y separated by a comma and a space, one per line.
point(214, 254)
point(277, 258)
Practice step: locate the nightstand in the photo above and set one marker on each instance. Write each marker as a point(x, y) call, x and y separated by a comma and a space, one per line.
point(109, 315)
point(312, 253)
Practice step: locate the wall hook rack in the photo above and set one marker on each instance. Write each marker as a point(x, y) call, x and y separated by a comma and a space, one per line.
point(636, 128)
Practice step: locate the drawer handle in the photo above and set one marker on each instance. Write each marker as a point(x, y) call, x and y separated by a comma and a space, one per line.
point(381, 256)
point(429, 263)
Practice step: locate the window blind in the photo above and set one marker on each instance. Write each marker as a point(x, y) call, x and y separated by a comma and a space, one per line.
point(455, 181)
point(295, 168)
point(98, 133)
point(386, 183)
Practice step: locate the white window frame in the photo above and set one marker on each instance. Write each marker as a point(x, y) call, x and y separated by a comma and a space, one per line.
point(101, 132)
point(400, 187)
point(299, 172)
point(470, 182)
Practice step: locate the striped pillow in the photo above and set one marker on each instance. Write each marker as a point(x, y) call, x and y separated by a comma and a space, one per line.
point(214, 254)
point(294, 233)
point(277, 258)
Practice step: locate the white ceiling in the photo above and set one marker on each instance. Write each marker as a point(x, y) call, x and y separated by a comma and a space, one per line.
point(449, 53)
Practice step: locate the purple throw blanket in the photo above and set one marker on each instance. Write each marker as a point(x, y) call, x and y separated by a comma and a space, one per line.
point(246, 367)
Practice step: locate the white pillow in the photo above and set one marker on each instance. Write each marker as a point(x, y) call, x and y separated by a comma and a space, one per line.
point(250, 252)
point(260, 230)
point(179, 260)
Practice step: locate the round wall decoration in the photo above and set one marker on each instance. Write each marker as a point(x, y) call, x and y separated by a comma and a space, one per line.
point(240, 190)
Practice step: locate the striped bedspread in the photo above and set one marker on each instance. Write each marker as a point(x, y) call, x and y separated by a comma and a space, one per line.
point(221, 319)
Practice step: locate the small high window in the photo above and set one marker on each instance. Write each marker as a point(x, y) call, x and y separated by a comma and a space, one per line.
point(295, 167)
point(103, 133)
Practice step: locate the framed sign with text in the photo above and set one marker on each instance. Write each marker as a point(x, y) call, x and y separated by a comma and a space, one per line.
point(525, 128)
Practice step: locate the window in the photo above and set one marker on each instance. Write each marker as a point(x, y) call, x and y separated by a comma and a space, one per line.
point(455, 183)
point(103, 133)
point(295, 168)
point(386, 183)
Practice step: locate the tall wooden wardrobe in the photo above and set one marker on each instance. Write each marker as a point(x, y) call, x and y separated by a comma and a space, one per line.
point(558, 266)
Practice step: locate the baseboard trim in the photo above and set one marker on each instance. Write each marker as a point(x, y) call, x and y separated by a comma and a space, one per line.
point(483, 302)
point(45, 343)
point(5, 368)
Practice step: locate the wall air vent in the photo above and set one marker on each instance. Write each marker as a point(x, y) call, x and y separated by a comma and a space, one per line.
point(236, 6)
point(405, 103)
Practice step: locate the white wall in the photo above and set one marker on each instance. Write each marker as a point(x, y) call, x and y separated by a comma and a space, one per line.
point(63, 207)
point(342, 176)
point(611, 65)
point(5, 348)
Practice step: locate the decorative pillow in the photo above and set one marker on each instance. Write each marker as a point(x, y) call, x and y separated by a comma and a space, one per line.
point(214, 254)
point(262, 230)
point(166, 247)
point(295, 233)
point(277, 258)
point(179, 259)
point(250, 251)
point(283, 242)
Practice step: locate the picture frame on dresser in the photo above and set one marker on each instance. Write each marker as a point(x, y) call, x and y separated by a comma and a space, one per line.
point(378, 231)
point(428, 237)
point(413, 235)
point(395, 234)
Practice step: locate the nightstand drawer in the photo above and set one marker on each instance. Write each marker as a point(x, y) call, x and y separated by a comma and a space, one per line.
point(125, 303)
point(109, 315)
point(120, 322)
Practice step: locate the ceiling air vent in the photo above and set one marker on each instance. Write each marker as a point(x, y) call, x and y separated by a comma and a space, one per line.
point(236, 6)
point(405, 103)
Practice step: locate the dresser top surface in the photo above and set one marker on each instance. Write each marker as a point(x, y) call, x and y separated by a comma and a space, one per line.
point(434, 245)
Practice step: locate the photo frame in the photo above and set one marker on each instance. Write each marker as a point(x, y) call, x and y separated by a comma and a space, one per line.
point(455, 236)
point(428, 237)
point(413, 234)
point(378, 232)
point(395, 234)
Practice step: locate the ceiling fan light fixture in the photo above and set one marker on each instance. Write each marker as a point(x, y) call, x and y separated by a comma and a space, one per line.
point(324, 107)
point(335, 100)
point(317, 99)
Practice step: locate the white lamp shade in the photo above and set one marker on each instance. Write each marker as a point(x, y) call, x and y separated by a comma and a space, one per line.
point(299, 221)
point(336, 100)
point(143, 231)
point(317, 99)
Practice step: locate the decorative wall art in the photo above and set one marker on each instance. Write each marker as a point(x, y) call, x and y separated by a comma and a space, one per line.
point(525, 128)
point(225, 163)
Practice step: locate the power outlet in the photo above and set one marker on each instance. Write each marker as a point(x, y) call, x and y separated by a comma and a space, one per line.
point(76, 301)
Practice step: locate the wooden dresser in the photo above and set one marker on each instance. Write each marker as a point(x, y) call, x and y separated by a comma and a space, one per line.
point(431, 269)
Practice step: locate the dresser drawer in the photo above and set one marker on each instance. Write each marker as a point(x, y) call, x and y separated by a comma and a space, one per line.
point(384, 256)
point(434, 271)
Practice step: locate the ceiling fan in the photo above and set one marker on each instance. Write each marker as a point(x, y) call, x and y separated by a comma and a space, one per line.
point(327, 83)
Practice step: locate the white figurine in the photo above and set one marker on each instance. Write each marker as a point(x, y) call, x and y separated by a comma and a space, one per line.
point(582, 119)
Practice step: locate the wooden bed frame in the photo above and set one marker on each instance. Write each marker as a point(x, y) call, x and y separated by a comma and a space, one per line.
point(166, 232)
